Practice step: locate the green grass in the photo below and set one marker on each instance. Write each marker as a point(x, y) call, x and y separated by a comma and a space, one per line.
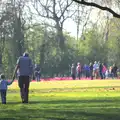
point(65, 100)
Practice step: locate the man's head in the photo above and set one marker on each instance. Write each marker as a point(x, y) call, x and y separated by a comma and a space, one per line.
point(95, 62)
point(25, 54)
point(90, 63)
point(2, 76)
point(73, 65)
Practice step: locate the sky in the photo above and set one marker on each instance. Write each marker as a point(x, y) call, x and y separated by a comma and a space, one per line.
point(71, 27)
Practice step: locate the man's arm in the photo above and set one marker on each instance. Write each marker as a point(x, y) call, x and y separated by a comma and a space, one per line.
point(15, 71)
point(16, 68)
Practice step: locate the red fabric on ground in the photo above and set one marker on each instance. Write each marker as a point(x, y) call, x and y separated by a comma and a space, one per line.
point(60, 79)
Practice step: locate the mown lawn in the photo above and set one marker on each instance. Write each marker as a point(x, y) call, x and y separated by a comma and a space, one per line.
point(65, 100)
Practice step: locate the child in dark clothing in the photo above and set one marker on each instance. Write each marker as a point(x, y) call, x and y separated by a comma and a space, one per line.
point(87, 71)
point(3, 88)
point(91, 70)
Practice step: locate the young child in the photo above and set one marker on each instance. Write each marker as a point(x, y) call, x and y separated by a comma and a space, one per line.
point(3, 88)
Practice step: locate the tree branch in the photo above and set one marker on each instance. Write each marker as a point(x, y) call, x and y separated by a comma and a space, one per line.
point(63, 11)
point(47, 10)
point(65, 18)
point(98, 6)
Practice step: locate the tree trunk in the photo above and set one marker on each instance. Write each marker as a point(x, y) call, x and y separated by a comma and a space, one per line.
point(0, 59)
point(0, 63)
point(43, 49)
point(18, 39)
point(60, 36)
point(42, 56)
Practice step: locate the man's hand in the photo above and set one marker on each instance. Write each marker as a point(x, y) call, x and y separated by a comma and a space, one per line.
point(13, 77)
point(15, 71)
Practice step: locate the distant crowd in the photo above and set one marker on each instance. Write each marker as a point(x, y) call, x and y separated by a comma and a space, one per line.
point(89, 71)
point(94, 71)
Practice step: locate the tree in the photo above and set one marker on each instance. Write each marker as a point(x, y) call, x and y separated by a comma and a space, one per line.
point(100, 6)
point(11, 31)
point(5, 16)
point(57, 11)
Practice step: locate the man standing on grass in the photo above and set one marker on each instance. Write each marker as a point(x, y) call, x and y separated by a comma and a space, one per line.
point(25, 67)
point(91, 70)
point(73, 71)
point(78, 70)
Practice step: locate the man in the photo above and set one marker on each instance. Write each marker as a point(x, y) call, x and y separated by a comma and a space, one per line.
point(114, 70)
point(24, 65)
point(95, 69)
point(100, 70)
point(91, 70)
point(37, 72)
point(78, 70)
point(87, 70)
point(73, 71)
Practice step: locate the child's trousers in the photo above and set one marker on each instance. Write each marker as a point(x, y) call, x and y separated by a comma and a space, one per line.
point(3, 96)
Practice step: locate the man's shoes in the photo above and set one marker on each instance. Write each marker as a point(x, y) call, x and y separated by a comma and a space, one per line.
point(26, 102)
point(4, 103)
point(23, 101)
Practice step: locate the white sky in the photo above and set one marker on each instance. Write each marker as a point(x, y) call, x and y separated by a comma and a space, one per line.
point(71, 27)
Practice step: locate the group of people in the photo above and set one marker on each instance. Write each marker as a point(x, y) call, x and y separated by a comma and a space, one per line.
point(96, 70)
point(25, 67)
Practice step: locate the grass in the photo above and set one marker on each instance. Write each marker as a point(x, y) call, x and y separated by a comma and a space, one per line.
point(65, 100)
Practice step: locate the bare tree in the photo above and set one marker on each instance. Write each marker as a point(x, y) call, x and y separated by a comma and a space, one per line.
point(56, 10)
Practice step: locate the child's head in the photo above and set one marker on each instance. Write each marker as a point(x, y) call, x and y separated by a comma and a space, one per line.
point(2, 76)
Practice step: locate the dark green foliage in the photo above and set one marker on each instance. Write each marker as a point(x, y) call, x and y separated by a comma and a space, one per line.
point(43, 44)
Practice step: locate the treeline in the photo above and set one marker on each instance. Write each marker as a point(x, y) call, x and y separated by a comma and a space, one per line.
point(44, 50)
point(97, 43)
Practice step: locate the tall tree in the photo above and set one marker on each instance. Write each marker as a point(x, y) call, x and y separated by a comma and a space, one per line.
point(57, 11)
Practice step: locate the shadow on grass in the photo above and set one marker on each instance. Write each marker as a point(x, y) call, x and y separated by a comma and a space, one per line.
point(57, 110)
point(72, 101)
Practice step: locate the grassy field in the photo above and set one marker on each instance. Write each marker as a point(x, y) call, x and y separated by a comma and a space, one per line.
point(65, 100)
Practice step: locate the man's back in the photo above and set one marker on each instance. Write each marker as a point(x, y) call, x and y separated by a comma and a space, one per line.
point(25, 66)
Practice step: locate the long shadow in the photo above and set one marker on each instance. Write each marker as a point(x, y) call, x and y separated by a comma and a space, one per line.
point(14, 102)
point(70, 101)
point(31, 102)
